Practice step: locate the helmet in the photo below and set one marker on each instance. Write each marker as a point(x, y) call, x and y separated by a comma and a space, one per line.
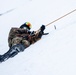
point(26, 25)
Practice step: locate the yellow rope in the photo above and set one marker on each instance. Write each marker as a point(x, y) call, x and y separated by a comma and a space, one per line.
point(61, 17)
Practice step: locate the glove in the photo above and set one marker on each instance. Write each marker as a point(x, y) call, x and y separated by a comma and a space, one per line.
point(42, 28)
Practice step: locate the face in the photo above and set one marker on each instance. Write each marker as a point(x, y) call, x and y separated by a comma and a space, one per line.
point(25, 28)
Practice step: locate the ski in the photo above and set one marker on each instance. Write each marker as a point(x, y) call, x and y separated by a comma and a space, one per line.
point(45, 33)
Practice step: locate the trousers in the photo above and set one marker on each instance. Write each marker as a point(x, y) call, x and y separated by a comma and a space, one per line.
point(14, 50)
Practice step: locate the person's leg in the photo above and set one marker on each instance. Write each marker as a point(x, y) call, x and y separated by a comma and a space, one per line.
point(12, 52)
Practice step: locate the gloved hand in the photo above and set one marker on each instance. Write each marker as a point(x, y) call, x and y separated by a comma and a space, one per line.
point(42, 28)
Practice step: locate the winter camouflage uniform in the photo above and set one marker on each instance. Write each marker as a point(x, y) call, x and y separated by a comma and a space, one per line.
point(19, 39)
point(18, 35)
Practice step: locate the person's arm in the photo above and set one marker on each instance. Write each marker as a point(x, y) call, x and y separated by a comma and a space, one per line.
point(36, 35)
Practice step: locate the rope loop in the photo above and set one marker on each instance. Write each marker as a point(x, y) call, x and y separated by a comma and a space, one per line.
point(61, 17)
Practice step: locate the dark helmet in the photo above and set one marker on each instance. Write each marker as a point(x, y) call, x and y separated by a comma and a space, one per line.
point(26, 25)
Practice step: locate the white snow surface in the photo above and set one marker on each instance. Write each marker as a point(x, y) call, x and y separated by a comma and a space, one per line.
point(54, 54)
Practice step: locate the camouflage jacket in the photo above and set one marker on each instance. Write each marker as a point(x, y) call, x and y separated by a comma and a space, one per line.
point(24, 34)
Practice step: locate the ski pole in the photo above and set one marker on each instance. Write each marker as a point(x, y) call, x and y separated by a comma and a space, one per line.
point(7, 12)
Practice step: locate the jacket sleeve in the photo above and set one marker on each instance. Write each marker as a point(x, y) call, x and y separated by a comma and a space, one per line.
point(36, 36)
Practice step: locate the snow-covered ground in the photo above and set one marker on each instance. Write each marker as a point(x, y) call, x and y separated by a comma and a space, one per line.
point(54, 54)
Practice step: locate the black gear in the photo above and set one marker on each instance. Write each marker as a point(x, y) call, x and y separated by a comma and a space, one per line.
point(14, 50)
point(42, 28)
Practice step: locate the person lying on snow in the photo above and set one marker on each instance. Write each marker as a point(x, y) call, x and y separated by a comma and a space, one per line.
point(21, 38)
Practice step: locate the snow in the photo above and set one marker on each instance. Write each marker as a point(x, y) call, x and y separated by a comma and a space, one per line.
point(55, 53)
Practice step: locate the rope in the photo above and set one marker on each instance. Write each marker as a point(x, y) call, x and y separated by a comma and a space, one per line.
point(61, 17)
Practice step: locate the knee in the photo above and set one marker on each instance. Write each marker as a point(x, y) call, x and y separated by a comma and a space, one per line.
point(26, 43)
point(16, 40)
